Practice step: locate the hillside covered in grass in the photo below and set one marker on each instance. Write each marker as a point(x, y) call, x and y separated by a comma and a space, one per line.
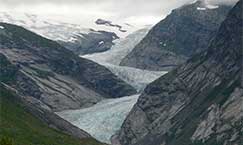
point(19, 127)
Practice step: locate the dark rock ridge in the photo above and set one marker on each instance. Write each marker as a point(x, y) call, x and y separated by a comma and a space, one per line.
point(55, 76)
point(93, 42)
point(184, 32)
point(109, 23)
point(198, 103)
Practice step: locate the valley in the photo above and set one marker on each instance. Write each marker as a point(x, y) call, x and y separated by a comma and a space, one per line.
point(121, 77)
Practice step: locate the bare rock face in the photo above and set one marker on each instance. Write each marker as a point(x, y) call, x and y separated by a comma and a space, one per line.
point(92, 42)
point(54, 75)
point(199, 102)
point(183, 33)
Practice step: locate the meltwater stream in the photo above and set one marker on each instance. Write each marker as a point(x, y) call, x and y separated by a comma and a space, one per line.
point(103, 119)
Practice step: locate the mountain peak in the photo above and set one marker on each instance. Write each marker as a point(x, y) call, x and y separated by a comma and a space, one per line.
point(184, 32)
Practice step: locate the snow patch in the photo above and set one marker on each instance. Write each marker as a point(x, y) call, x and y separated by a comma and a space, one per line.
point(163, 44)
point(212, 6)
point(101, 42)
point(103, 119)
point(1, 27)
point(207, 7)
point(72, 39)
point(201, 9)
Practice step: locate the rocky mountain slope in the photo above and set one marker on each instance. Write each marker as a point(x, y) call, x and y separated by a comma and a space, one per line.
point(80, 39)
point(55, 75)
point(198, 103)
point(184, 32)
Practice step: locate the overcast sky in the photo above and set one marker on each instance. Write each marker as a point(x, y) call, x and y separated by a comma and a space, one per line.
point(139, 12)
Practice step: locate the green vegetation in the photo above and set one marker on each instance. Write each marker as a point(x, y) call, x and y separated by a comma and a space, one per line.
point(19, 127)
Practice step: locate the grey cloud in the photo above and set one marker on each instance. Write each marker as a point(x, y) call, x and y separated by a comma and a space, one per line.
point(134, 3)
point(121, 8)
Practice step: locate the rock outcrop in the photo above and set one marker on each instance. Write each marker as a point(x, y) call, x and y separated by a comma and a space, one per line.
point(183, 33)
point(199, 102)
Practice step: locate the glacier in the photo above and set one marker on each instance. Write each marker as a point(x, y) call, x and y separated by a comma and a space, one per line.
point(106, 117)
point(137, 78)
point(121, 48)
point(59, 30)
point(111, 59)
point(103, 119)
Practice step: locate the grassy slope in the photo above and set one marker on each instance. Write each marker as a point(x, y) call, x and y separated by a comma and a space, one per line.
point(24, 129)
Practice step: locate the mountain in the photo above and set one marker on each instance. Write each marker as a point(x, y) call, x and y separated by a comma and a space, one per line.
point(49, 78)
point(199, 102)
point(19, 126)
point(77, 38)
point(137, 78)
point(49, 66)
point(120, 49)
point(184, 32)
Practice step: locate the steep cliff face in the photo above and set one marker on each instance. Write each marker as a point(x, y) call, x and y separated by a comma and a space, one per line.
point(53, 75)
point(200, 102)
point(184, 32)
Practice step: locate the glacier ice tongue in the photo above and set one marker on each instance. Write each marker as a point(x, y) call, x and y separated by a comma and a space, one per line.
point(121, 48)
point(103, 119)
point(137, 78)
